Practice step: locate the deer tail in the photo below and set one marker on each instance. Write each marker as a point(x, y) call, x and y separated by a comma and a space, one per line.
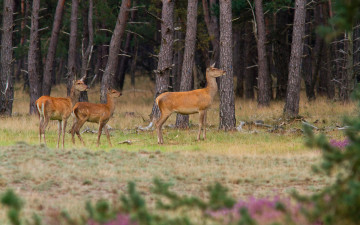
point(42, 109)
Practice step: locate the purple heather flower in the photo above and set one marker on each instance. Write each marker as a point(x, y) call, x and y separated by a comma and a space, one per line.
point(262, 210)
point(340, 143)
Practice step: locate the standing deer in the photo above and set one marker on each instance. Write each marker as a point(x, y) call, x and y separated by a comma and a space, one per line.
point(94, 113)
point(189, 102)
point(53, 108)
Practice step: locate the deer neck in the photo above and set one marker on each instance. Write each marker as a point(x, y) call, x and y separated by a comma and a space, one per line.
point(74, 95)
point(110, 103)
point(211, 86)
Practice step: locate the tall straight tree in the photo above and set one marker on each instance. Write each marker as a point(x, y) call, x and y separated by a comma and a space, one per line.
point(264, 84)
point(182, 121)
point(227, 101)
point(33, 59)
point(291, 108)
point(72, 45)
point(123, 60)
point(108, 79)
point(87, 47)
point(49, 63)
point(166, 53)
point(249, 55)
point(7, 76)
point(212, 26)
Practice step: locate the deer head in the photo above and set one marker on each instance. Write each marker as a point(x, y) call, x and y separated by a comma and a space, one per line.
point(113, 93)
point(214, 72)
point(79, 85)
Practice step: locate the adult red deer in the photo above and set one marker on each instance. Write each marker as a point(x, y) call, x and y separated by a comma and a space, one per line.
point(189, 102)
point(53, 108)
point(94, 113)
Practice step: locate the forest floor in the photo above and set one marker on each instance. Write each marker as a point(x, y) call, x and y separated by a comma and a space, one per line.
point(256, 161)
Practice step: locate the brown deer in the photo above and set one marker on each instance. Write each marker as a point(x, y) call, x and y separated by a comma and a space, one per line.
point(189, 102)
point(53, 108)
point(94, 113)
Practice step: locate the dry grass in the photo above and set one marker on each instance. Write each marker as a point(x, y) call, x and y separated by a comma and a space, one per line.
point(51, 179)
point(251, 162)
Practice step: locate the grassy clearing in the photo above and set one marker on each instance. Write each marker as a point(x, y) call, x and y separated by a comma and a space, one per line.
point(51, 179)
point(252, 162)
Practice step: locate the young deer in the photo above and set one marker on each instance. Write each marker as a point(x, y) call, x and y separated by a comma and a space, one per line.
point(189, 102)
point(94, 113)
point(52, 108)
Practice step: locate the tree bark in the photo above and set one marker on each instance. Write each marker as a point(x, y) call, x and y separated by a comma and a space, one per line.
point(133, 63)
point(227, 102)
point(33, 60)
point(178, 58)
point(291, 108)
point(239, 63)
point(108, 79)
point(212, 26)
point(7, 76)
point(310, 60)
point(49, 63)
point(264, 84)
point(182, 121)
point(282, 50)
point(164, 68)
point(123, 60)
point(249, 73)
point(87, 48)
point(72, 45)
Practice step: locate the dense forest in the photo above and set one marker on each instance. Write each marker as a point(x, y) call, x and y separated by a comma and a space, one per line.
point(269, 49)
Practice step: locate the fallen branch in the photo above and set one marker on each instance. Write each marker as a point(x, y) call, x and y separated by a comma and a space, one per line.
point(310, 125)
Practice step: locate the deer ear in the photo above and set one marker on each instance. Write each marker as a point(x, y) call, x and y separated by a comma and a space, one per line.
point(213, 65)
point(73, 82)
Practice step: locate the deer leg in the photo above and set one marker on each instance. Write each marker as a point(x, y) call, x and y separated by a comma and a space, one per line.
point(159, 123)
point(40, 126)
point(101, 125)
point(72, 131)
point(108, 135)
point(46, 121)
point(59, 132)
point(64, 123)
point(204, 125)
point(77, 128)
point(201, 121)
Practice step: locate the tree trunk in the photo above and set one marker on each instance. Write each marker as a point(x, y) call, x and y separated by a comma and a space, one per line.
point(282, 50)
point(123, 60)
point(347, 74)
point(227, 102)
point(72, 45)
point(264, 84)
point(212, 26)
point(133, 63)
point(310, 60)
point(87, 48)
point(291, 108)
point(7, 76)
point(182, 121)
point(108, 79)
point(165, 55)
point(239, 63)
point(250, 70)
point(27, 15)
point(33, 60)
point(49, 63)
point(178, 58)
